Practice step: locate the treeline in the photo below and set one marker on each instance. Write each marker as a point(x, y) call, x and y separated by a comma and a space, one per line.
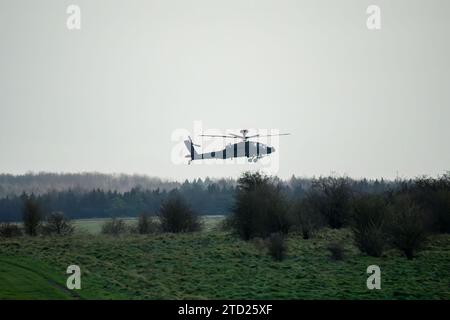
point(40, 183)
point(204, 196)
point(401, 217)
point(100, 204)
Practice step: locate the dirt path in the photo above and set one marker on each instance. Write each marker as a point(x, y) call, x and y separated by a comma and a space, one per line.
point(73, 294)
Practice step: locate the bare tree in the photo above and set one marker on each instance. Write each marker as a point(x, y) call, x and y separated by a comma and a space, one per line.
point(369, 224)
point(114, 227)
point(332, 196)
point(32, 216)
point(146, 225)
point(176, 215)
point(58, 223)
point(260, 208)
point(409, 229)
point(9, 230)
point(305, 218)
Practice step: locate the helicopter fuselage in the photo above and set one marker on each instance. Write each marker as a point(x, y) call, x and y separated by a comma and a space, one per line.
point(250, 149)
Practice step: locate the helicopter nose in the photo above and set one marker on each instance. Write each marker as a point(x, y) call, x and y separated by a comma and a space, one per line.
point(273, 149)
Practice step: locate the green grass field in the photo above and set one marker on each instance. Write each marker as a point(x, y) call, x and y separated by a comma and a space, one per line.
point(212, 264)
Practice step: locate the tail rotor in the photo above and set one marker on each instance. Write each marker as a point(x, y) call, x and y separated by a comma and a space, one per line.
point(193, 154)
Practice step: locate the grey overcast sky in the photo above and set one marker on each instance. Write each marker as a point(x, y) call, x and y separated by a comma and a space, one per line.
point(108, 97)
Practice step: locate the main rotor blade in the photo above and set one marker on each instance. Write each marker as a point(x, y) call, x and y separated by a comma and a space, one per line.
point(268, 135)
point(237, 136)
point(220, 136)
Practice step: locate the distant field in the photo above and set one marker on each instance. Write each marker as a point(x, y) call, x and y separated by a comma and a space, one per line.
point(212, 264)
point(94, 226)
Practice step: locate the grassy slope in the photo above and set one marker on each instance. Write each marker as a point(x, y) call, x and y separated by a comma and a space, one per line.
point(17, 273)
point(214, 265)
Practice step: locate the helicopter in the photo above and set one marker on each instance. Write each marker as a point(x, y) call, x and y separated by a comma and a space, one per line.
point(250, 149)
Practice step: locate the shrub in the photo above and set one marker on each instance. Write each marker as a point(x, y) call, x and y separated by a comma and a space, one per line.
point(331, 197)
point(9, 230)
point(260, 209)
point(433, 195)
point(408, 230)
point(58, 223)
point(276, 246)
point(226, 224)
point(146, 225)
point(442, 213)
point(369, 220)
point(336, 250)
point(177, 216)
point(305, 218)
point(260, 245)
point(32, 216)
point(114, 227)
